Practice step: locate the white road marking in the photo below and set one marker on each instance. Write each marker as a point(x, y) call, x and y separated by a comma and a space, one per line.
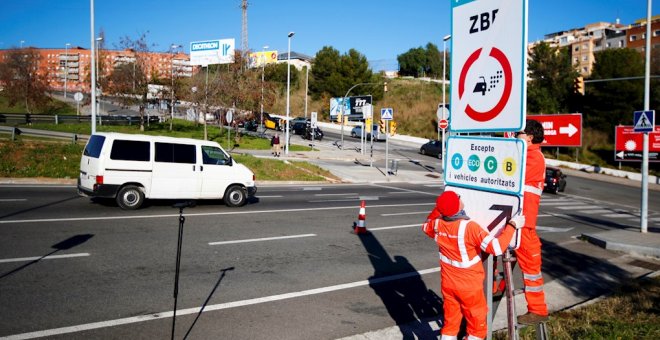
point(544, 215)
point(312, 188)
point(398, 226)
point(434, 185)
point(618, 215)
point(49, 257)
point(244, 212)
point(13, 199)
point(401, 192)
point(544, 204)
point(271, 196)
point(552, 229)
point(406, 213)
point(220, 306)
point(351, 199)
point(408, 190)
point(597, 211)
point(260, 239)
point(346, 194)
point(576, 207)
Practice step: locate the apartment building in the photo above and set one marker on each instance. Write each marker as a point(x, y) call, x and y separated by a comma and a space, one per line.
point(71, 66)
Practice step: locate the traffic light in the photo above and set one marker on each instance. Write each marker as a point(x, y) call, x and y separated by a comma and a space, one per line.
point(578, 85)
point(392, 127)
point(381, 127)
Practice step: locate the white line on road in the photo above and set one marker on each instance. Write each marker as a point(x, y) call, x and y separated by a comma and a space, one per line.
point(596, 211)
point(401, 189)
point(544, 204)
point(400, 192)
point(406, 213)
point(13, 199)
point(244, 212)
point(260, 239)
point(271, 196)
point(49, 257)
point(398, 226)
point(220, 306)
point(346, 194)
point(576, 207)
point(552, 229)
point(618, 215)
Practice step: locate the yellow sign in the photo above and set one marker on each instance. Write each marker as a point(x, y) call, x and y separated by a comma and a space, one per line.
point(258, 59)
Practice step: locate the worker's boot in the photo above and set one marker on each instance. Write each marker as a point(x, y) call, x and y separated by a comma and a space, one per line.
point(531, 318)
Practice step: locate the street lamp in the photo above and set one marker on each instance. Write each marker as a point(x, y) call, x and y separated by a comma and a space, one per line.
point(66, 66)
point(98, 73)
point(288, 87)
point(91, 62)
point(444, 102)
point(263, 65)
point(22, 41)
point(173, 47)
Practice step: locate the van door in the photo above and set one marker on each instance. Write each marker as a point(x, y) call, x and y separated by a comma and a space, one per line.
point(217, 172)
point(176, 174)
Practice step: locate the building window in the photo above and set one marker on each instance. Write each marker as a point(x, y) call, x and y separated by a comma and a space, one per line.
point(633, 38)
point(577, 48)
point(656, 33)
point(576, 60)
point(621, 43)
point(584, 58)
point(609, 44)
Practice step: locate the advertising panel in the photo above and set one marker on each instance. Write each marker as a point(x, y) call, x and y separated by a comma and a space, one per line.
point(628, 144)
point(210, 52)
point(259, 59)
point(561, 129)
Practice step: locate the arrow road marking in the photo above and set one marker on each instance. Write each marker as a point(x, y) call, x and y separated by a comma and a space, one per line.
point(569, 130)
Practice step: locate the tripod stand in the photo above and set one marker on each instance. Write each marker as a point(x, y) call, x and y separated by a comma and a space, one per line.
point(182, 219)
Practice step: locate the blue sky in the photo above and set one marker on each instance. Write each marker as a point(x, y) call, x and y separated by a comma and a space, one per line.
point(380, 30)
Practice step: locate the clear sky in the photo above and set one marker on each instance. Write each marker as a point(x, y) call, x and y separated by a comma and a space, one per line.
point(379, 29)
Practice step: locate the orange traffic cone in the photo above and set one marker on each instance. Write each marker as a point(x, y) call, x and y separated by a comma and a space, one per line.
point(361, 226)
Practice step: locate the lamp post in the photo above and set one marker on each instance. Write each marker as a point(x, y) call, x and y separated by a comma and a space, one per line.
point(173, 47)
point(93, 57)
point(288, 87)
point(307, 90)
point(66, 66)
point(98, 73)
point(263, 66)
point(444, 103)
point(22, 41)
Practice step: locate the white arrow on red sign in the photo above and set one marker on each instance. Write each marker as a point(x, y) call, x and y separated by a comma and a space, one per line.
point(569, 130)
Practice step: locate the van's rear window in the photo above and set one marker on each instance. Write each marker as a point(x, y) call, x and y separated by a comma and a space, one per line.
point(94, 146)
point(130, 150)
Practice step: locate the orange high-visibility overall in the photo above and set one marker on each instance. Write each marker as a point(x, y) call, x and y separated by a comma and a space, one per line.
point(462, 275)
point(529, 252)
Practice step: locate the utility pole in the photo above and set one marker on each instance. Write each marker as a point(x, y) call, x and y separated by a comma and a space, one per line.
point(244, 32)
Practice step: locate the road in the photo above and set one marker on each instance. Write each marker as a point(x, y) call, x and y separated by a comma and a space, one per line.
point(285, 266)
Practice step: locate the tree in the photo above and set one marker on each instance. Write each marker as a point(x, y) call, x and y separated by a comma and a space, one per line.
point(413, 62)
point(609, 103)
point(129, 81)
point(433, 61)
point(333, 74)
point(22, 80)
point(551, 79)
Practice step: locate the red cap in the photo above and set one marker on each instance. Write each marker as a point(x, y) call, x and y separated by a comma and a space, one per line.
point(449, 203)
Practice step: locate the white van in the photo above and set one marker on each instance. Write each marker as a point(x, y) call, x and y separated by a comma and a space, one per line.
point(131, 168)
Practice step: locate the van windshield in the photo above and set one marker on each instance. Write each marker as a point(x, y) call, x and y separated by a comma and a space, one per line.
point(94, 146)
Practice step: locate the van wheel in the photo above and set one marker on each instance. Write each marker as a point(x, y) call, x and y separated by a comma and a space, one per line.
point(130, 197)
point(235, 196)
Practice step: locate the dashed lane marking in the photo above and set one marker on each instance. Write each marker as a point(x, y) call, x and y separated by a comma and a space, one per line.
point(576, 207)
point(49, 257)
point(260, 239)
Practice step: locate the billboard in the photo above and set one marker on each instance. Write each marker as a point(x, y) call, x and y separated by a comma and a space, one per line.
point(561, 129)
point(628, 144)
point(259, 59)
point(209, 52)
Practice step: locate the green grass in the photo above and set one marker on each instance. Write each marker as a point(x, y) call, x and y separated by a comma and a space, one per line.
point(54, 107)
point(631, 312)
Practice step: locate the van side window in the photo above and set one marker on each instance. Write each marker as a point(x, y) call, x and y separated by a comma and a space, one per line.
point(130, 150)
point(94, 146)
point(213, 155)
point(175, 153)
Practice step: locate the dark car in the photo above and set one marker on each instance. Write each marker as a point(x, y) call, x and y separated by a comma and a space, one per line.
point(299, 127)
point(555, 180)
point(432, 148)
point(318, 134)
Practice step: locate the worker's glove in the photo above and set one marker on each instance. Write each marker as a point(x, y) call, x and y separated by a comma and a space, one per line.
point(517, 221)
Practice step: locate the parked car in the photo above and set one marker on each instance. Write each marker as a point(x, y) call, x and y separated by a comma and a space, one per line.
point(356, 132)
point(318, 134)
point(432, 148)
point(555, 180)
point(251, 125)
point(299, 127)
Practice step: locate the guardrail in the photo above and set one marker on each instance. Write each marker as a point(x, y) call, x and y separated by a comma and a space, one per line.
point(21, 118)
point(14, 131)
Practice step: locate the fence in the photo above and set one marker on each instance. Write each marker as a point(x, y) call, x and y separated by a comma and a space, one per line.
point(14, 119)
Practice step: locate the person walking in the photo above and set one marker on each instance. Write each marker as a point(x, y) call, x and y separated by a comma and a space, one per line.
point(460, 243)
point(275, 143)
point(529, 252)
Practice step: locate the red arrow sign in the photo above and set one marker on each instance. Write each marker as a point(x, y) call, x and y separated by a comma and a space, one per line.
point(561, 129)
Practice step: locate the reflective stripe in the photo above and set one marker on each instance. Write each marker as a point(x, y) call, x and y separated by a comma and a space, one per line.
point(461, 241)
point(497, 249)
point(472, 337)
point(459, 264)
point(533, 190)
point(484, 243)
point(449, 337)
point(532, 277)
point(534, 289)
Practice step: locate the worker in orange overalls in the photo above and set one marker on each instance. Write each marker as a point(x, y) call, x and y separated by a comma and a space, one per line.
point(460, 242)
point(529, 252)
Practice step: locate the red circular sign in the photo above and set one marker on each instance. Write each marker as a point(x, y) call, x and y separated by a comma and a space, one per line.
point(506, 68)
point(443, 123)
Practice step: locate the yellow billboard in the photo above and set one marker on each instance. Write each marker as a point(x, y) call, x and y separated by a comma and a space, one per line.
point(258, 59)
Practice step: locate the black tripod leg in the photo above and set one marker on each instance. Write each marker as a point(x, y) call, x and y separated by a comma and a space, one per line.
point(178, 265)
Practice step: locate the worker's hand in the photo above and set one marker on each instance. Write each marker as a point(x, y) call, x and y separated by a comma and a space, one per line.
point(517, 221)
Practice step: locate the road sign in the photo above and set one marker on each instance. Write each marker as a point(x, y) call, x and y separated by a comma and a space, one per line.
point(628, 144)
point(314, 119)
point(387, 113)
point(489, 48)
point(561, 129)
point(644, 121)
point(78, 97)
point(443, 124)
point(442, 112)
point(486, 163)
point(229, 116)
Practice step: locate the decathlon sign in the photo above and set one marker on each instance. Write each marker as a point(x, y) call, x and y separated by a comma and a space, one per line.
point(488, 65)
point(209, 52)
point(487, 164)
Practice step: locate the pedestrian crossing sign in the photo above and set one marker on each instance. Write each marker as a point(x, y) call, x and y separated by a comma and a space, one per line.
point(386, 113)
point(644, 121)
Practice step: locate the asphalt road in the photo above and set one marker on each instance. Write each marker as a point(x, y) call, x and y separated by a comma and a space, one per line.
point(285, 266)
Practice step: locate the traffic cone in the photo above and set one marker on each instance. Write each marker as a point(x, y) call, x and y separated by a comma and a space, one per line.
point(361, 226)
